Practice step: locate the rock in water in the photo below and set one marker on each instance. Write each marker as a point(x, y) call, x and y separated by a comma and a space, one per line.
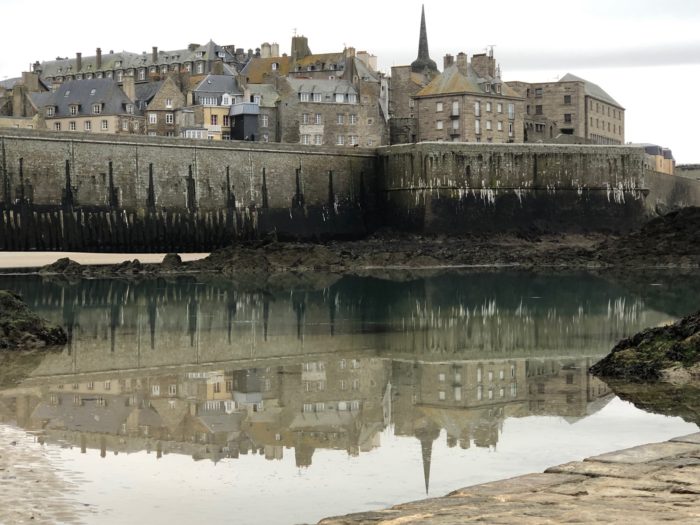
point(20, 328)
point(664, 353)
point(63, 266)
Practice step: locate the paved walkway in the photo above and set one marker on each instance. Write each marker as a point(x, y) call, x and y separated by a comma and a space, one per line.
point(654, 483)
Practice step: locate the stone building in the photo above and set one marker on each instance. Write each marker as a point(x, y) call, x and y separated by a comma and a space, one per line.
point(267, 100)
point(162, 108)
point(90, 106)
point(469, 102)
point(213, 99)
point(571, 110)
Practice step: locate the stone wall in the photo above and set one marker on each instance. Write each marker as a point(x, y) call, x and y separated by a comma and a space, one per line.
point(79, 191)
point(463, 188)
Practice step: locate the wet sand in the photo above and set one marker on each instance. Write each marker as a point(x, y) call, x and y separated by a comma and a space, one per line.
point(34, 487)
point(38, 259)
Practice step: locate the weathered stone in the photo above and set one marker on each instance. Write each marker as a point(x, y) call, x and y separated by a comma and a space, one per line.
point(597, 469)
point(647, 453)
point(690, 438)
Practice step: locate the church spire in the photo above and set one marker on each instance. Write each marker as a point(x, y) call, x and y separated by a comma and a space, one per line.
point(423, 62)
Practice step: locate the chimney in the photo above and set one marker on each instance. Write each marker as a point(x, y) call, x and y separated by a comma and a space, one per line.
point(78, 62)
point(265, 50)
point(461, 62)
point(447, 61)
point(275, 51)
point(349, 52)
point(129, 87)
point(36, 67)
point(484, 65)
point(30, 80)
point(154, 55)
point(98, 58)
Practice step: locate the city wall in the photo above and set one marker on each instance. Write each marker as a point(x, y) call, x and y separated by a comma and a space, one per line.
point(88, 192)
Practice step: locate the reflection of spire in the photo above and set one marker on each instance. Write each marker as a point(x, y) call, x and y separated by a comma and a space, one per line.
point(426, 446)
point(152, 316)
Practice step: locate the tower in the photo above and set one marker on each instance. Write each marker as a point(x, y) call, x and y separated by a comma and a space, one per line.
point(423, 62)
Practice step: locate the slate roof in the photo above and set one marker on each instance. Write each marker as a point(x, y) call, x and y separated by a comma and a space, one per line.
point(85, 93)
point(452, 80)
point(218, 85)
point(129, 60)
point(9, 83)
point(315, 85)
point(145, 92)
point(268, 94)
point(256, 68)
point(591, 89)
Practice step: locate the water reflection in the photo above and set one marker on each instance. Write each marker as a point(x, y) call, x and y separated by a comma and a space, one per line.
point(212, 370)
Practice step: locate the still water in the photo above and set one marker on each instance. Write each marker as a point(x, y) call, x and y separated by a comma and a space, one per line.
point(193, 399)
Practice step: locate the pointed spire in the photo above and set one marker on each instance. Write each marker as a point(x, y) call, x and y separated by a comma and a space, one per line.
point(423, 62)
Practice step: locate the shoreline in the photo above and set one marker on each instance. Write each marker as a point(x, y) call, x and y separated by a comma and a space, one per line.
point(643, 484)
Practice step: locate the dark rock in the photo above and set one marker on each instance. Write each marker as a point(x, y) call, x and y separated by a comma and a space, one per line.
point(655, 353)
point(64, 266)
point(20, 328)
point(171, 261)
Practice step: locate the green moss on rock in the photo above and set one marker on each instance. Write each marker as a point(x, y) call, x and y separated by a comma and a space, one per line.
point(20, 328)
point(652, 352)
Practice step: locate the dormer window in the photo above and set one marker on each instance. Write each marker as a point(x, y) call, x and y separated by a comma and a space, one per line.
point(99, 75)
point(352, 98)
point(88, 76)
point(487, 88)
point(498, 88)
point(73, 109)
point(200, 68)
point(120, 76)
point(221, 54)
point(275, 66)
point(66, 93)
point(199, 54)
point(130, 109)
point(93, 91)
point(256, 99)
point(142, 74)
point(109, 74)
point(153, 69)
point(317, 97)
point(50, 111)
point(78, 77)
point(96, 109)
point(339, 98)
point(188, 67)
point(60, 70)
point(304, 97)
point(118, 63)
point(225, 100)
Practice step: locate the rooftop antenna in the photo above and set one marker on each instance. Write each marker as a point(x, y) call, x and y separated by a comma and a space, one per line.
point(295, 31)
point(490, 49)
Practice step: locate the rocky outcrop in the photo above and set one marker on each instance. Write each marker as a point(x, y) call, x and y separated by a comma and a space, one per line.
point(20, 328)
point(665, 353)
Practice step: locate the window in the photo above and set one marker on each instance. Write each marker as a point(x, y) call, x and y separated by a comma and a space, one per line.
point(155, 390)
point(304, 118)
point(152, 118)
point(339, 140)
point(275, 66)
point(458, 393)
point(217, 388)
point(339, 98)
point(538, 92)
point(441, 395)
point(307, 407)
point(142, 74)
point(214, 120)
point(97, 109)
point(567, 99)
point(479, 373)
point(319, 119)
point(227, 120)
point(264, 121)
point(74, 110)
point(477, 109)
point(353, 140)
point(455, 124)
point(50, 111)
point(304, 97)
point(487, 87)
point(538, 110)
point(567, 117)
point(498, 88)
point(172, 390)
point(501, 374)
point(438, 124)
point(125, 125)
point(71, 125)
point(352, 99)
point(305, 139)
point(169, 118)
point(441, 377)
point(317, 97)
point(510, 129)
point(168, 103)
point(438, 106)
point(57, 126)
point(200, 68)
point(499, 108)
point(130, 109)
point(477, 127)
point(479, 392)
point(488, 107)
point(318, 140)
point(488, 125)
point(355, 384)
point(353, 118)
point(104, 125)
point(340, 118)
point(120, 76)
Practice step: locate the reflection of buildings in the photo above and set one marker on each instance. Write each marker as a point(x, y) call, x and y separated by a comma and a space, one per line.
point(337, 402)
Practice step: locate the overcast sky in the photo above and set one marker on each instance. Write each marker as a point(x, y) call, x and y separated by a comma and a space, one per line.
point(644, 53)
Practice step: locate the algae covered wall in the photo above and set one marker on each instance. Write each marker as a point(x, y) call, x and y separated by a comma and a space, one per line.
point(77, 191)
point(461, 188)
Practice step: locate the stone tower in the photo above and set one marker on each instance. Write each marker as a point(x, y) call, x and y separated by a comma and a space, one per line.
point(423, 63)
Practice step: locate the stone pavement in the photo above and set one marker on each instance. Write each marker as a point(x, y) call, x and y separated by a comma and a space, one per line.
point(658, 482)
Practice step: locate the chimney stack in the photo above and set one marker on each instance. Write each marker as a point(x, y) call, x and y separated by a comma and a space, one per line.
point(461, 62)
point(154, 55)
point(98, 58)
point(78, 62)
point(129, 87)
point(265, 50)
point(275, 50)
point(447, 61)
